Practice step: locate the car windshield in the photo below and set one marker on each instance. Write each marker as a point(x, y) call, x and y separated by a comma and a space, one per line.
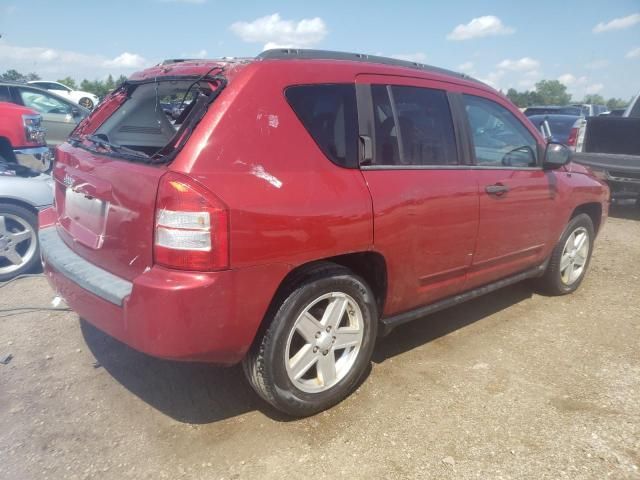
point(43, 103)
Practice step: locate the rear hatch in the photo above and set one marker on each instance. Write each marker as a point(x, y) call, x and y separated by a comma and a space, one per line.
point(107, 174)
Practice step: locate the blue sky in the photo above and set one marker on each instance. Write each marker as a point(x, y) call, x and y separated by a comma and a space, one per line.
point(593, 47)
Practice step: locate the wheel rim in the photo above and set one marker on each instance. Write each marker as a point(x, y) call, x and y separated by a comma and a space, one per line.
point(574, 256)
point(17, 243)
point(86, 103)
point(324, 342)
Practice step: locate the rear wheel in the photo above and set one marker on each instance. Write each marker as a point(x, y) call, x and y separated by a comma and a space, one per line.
point(86, 103)
point(570, 258)
point(19, 250)
point(318, 344)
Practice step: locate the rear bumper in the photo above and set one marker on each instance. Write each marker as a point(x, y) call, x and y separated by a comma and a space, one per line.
point(36, 158)
point(197, 316)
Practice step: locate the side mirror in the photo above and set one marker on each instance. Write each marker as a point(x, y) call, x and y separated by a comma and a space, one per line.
point(75, 112)
point(556, 155)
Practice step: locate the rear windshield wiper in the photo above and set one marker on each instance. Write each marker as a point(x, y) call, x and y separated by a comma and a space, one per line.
point(98, 140)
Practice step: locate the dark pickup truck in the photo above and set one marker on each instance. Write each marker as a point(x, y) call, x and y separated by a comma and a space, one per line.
point(611, 148)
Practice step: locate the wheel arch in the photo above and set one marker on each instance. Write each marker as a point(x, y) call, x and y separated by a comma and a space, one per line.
point(6, 150)
point(371, 266)
point(593, 210)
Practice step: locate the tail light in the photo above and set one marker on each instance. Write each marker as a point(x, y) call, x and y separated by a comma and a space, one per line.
point(191, 227)
point(573, 137)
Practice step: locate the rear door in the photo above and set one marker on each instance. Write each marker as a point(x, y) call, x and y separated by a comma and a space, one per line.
point(517, 197)
point(425, 198)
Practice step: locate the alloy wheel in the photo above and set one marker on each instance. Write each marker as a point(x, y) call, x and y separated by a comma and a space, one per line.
point(324, 342)
point(18, 243)
point(574, 256)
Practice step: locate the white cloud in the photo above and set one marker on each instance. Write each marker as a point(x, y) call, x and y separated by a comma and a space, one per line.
point(593, 88)
point(521, 65)
point(278, 33)
point(418, 57)
point(194, 2)
point(618, 23)
point(126, 60)
point(466, 67)
point(633, 53)
point(578, 87)
point(597, 64)
point(571, 80)
point(486, 26)
point(493, 79)
point(49, 62)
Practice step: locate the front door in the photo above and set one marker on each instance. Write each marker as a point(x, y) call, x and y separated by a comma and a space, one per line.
point(517, 197)
point(425, 200)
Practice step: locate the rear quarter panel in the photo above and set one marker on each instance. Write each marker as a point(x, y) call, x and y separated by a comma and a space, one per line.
point(289, 203)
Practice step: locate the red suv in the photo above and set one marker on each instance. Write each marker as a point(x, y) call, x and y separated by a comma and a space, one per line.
point(301, 204)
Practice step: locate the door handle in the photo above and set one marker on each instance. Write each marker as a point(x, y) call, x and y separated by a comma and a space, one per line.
point(497, 189)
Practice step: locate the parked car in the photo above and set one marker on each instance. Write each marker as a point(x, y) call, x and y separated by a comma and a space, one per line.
point(616, 112)
point(84, 99)
point(590, 110)
point(59, 115)
point(308, 202)
point(23, 190)
point(610, 146)
point(553, 110)
point(562, 128)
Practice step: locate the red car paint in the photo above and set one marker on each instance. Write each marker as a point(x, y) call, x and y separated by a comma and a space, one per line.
point(12, 129)
point(437, 231)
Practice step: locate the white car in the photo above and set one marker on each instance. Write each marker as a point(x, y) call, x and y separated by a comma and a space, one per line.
point(84, 99)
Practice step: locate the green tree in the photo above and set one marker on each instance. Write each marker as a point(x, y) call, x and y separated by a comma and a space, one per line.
point(594, 99)
point(614, 103)
point(15, 76)
point(552, 92)
point(69, 82)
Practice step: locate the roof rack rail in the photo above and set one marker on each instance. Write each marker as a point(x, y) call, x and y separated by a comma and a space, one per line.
point(169, 61)
point(301, 53)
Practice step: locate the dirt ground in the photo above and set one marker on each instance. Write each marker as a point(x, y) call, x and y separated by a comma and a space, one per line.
point(511, 385)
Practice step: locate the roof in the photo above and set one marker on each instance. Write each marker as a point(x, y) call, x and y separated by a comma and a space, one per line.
point(309, 54)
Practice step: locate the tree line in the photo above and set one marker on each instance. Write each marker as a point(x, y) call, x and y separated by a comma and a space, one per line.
point(97, 87)
point(553, 92)
point(546, 92)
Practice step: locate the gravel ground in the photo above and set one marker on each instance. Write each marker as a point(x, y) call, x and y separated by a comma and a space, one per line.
point(511, 385)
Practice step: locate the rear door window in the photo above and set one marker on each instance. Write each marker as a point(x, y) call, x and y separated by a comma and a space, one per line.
point(328, 112)
point(413, 126)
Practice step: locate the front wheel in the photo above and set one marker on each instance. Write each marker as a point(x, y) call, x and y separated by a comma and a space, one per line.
point(318, 344)
point(570, 258)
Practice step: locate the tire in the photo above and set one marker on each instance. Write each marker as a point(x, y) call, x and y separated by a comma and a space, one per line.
point(19, 249)
point(298, 364)
point(564, 274)
point(86, 103)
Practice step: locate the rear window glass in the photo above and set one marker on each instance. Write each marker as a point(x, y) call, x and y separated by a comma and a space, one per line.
point(328, 112)
point(154, 116)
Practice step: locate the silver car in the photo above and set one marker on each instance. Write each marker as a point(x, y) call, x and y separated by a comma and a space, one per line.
point(23, 193)
point(59, 115)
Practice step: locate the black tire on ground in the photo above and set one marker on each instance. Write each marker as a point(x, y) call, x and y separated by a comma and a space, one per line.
point(31, 218)
point(551, 281)
point(265, 364)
